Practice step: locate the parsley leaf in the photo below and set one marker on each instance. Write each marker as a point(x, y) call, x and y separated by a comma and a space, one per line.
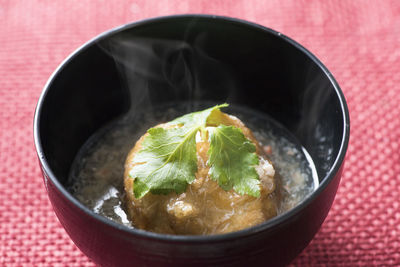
point(198, 118)
point(232, 159)
point(167, 159)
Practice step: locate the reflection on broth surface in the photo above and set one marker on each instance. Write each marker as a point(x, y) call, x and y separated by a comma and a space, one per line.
point(97, 177)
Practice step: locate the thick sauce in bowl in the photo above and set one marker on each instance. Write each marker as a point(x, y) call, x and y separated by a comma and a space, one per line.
point(97, 178)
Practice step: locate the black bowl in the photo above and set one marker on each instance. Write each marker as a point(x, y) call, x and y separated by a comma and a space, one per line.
point(191, 58)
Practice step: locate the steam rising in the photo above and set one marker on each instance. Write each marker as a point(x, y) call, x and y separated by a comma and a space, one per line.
point(177, 69)
point(311, 129)
point(181, 70)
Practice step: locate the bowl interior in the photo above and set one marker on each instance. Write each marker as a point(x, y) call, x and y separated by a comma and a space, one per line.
point(190, 59)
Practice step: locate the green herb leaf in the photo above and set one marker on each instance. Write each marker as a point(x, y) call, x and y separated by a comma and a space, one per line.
point(232, 160)
point(167, 161)
point(198, 118)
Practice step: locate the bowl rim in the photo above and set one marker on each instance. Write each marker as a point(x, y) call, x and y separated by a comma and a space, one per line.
point(267, 225)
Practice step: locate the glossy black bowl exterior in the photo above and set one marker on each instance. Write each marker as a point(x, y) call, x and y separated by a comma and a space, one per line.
point(273, 74)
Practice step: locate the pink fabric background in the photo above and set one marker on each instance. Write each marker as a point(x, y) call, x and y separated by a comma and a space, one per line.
point(359, 41)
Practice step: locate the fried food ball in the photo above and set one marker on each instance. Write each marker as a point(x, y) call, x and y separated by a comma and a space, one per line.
point(205, 208)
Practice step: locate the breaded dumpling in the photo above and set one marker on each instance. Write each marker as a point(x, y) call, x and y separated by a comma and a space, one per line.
point(205, 208)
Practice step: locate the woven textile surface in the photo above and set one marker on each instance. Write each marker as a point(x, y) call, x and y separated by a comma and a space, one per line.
point(359, 42)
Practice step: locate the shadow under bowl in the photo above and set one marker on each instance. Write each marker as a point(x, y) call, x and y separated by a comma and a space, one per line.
point(226, 60)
